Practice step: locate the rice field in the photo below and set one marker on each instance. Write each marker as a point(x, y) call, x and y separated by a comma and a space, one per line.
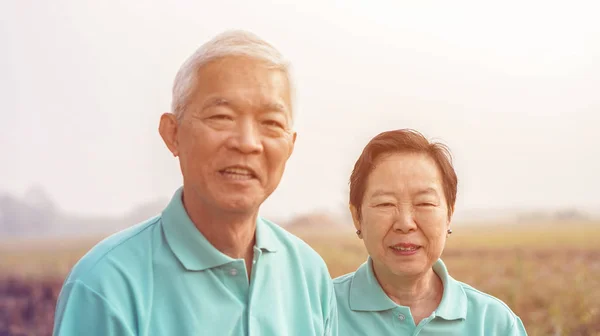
point(548, 273)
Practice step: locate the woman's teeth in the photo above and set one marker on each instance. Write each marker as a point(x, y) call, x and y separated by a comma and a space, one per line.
point(412, 248)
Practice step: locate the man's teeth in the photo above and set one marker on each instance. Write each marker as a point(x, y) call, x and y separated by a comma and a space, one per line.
point(405, 248)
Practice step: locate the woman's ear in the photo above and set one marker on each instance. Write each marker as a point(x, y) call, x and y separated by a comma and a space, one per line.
point(449, 220)
point(355, 220)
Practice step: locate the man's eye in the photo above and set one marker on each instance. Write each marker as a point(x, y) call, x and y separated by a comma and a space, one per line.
point(273, 123)
point(387, 204)
point(220, 117)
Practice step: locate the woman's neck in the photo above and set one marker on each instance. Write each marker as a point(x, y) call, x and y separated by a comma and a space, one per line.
point(422, 293)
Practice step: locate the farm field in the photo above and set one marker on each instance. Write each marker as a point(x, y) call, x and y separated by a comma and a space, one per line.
point(548, 273)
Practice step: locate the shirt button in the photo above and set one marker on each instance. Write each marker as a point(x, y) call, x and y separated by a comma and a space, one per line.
point(233, 271)
point(401, 317)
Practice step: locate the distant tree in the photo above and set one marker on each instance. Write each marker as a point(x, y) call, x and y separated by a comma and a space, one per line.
point(570, 215)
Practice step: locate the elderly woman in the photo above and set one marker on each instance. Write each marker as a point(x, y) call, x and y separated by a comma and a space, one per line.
point(402, 196)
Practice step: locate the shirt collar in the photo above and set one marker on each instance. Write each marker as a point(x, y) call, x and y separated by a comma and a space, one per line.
point(190, 246)
point(366, 293)
point(266, 239)
point(454, 300)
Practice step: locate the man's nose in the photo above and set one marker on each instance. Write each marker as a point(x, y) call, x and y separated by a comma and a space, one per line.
point(247, 138)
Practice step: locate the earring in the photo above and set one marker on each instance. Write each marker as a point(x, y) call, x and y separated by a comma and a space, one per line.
point(449, 231)
point(358, 232)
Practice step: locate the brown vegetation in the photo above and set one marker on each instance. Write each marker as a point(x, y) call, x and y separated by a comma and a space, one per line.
point(549, 275)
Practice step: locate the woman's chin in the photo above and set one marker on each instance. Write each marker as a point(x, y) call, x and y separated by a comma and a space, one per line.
point(408, 268)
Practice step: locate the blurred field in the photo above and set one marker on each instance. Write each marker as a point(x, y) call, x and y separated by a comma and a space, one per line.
point(548, 273)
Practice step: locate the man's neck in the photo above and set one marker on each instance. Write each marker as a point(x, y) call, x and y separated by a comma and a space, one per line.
point(421, 293)
point(232, 234)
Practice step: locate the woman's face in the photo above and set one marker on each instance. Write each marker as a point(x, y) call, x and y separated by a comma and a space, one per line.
point(404, 216)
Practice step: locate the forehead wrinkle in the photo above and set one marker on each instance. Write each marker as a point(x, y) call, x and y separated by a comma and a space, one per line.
point(379, 187)
point(381, 192)
point(427, 191)
point(264, 104)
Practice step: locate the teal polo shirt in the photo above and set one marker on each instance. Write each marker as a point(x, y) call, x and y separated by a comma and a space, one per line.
point(162, 277)
point(365, 309)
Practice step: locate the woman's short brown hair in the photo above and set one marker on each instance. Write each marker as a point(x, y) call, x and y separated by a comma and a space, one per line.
point(399, 141)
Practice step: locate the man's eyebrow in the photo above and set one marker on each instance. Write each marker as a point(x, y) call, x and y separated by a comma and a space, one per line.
point(220, 101)
point(274, 107)
point(214, 101)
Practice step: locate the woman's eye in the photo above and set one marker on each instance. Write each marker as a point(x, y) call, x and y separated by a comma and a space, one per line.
point(385, 204)
point(426, 204)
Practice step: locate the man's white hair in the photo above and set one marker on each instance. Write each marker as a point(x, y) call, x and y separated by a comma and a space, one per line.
point(228, 43)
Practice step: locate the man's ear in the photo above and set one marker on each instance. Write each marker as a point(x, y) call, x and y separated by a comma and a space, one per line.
point(292, 144)
point(168, 128)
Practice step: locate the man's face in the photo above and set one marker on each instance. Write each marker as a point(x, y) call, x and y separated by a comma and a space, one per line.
point(234, 138)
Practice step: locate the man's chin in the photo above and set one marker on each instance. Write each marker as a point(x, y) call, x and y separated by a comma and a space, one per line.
point(240, 205)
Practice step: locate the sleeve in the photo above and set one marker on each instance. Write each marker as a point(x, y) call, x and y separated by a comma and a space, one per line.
point(517, 329)
point(331, 322)
point(82, 311)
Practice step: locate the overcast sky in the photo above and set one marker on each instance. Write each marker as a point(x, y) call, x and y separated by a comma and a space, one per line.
point(513, 88)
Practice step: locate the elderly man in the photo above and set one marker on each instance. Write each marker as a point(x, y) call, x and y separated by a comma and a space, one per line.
point(208, 264)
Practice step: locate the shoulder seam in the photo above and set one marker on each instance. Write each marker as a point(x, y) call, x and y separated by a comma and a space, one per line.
point(495, 299)
point(150, 224)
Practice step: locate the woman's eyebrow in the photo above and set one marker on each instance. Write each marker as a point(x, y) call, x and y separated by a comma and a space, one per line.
point(426, 191)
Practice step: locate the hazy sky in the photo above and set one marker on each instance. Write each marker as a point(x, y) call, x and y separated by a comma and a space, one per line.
point(512, 87)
